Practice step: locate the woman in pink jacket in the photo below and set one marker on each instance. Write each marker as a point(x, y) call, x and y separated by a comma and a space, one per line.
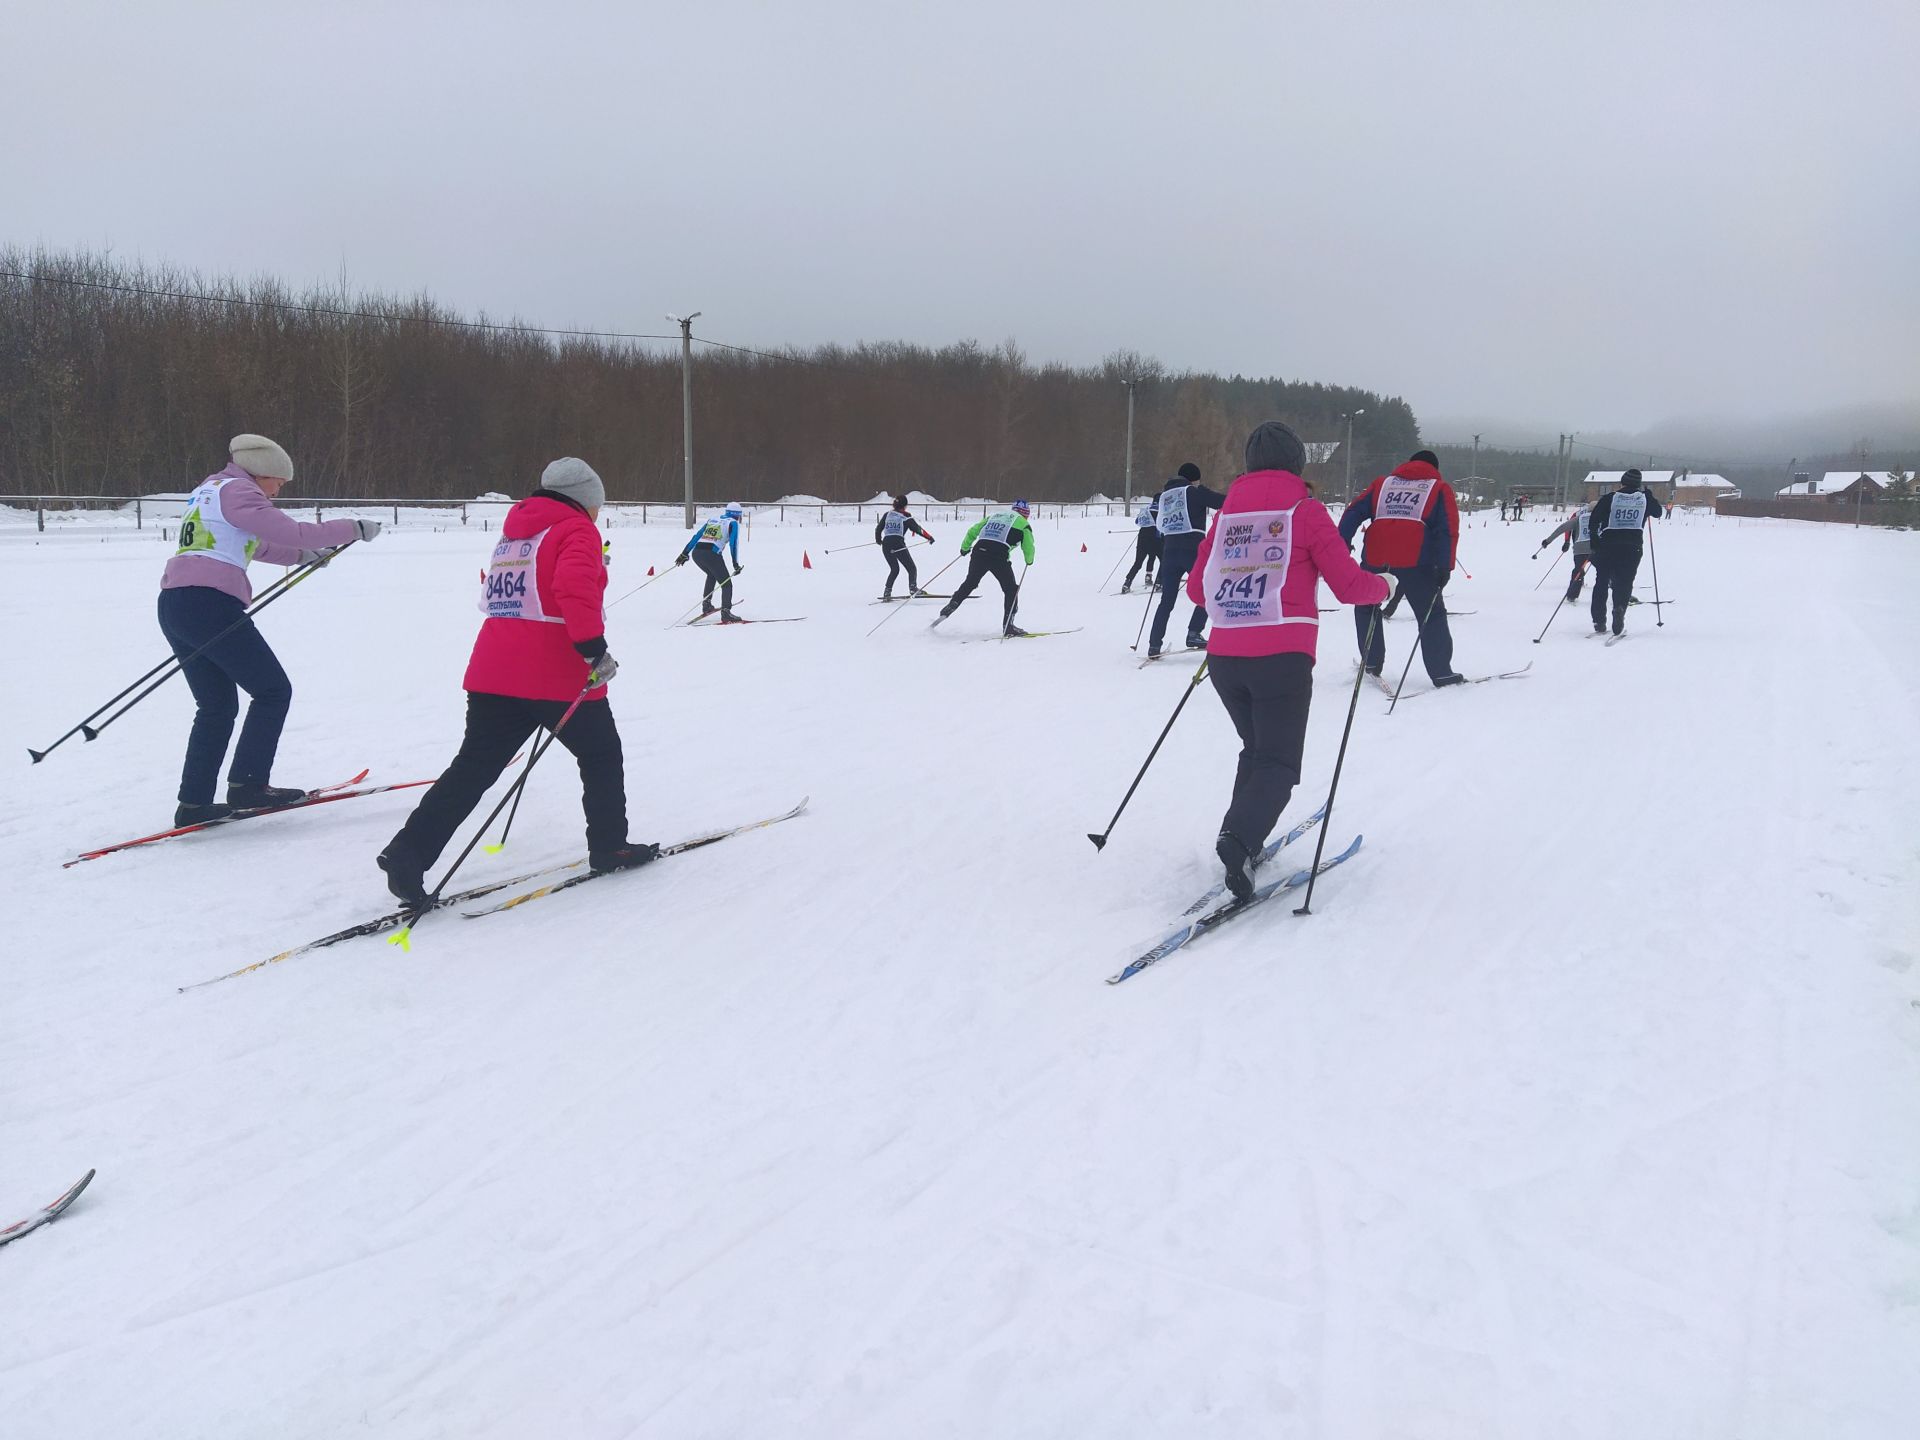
point(229, 523)
point(1258, 573)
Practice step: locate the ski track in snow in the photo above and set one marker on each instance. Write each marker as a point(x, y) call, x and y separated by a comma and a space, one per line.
point(1584, 1105)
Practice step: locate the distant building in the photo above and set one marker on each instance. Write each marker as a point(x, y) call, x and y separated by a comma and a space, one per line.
point(1839, 485)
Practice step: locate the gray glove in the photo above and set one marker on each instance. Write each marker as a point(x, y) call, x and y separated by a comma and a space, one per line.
point(315, 557)
point(367, 528)
point(604, 669)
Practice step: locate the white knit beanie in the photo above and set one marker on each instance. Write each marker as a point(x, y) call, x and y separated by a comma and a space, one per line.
point(260, 457)
point(575, 479)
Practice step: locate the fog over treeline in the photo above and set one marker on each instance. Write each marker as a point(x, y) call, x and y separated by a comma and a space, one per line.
point(109, 388)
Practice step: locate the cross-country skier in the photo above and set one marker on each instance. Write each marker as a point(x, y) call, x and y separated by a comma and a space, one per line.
point(705, 546)
point(230, 521)
point(1146, 545)
point(990, 544)
point(543, 642)
point(1258, 573)
point(1414, 533)
point(1182, 519)
point(1618, 523)
point(1573, 534)
point(890, 533)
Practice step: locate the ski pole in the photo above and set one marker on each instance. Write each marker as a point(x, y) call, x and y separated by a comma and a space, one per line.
point(404, 935)
point(1420, 643)
point(930, 579)
point(657, 575)
point(93, 732)
point(1116, 564)
point(864, 544)
point(1100, 840)
point(1326, 813)
point(38, 755)
point(1659, 608)
point(1543, 574)
point(1550, 619)
point(1152, 591)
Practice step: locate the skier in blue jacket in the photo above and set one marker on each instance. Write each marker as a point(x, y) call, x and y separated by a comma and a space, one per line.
point(705, 546)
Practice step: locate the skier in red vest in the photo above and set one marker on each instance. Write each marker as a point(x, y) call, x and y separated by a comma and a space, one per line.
point(1414, 534)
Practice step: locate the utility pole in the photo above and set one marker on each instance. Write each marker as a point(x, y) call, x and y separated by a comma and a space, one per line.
point(1475, 467)
point(1349, 419)
point(1559, 471)
point(686, 399)
point(1130, 382)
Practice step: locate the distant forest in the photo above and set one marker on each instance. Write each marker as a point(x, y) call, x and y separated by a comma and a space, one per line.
point(109, 388)
point(105, 389)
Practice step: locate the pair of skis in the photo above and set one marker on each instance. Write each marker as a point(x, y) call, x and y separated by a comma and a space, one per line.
point(325, 795)
point(555, 878)
point(1213, 919)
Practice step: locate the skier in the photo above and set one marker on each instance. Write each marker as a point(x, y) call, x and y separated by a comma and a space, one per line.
point(1258, 573)
point(1573, 535)
point(541, 645)
point(1146, 545)
point(1414, 534)
point(990, 544)
point(705, 546)
point(1618, 522)
point(230, 520)
point(890, 533)
point(1503, 507)
point(1181, 517)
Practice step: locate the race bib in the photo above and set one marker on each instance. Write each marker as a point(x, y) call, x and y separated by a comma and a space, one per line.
point(1404, 499)
point(510, 588)
point(1145, 518)
point(714, 533)
point(998, 528)
point(1247, 568)
point(894, 525)
point(1580, 527)
point(1174, 519)
point(1628, 511)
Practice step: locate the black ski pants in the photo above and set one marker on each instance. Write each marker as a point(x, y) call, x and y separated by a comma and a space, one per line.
point(897, 555)
point(1429, 607)
point(497, 728)
point(1578, 582)
point(1177, 554)
point(1613, 572)
point(190, 616)
point(1267, 698)
point(1145, 548)
point(714, 565)
point(988, 557)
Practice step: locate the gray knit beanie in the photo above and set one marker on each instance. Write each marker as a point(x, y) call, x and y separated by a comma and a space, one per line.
point(576, 480)
point(260, 457)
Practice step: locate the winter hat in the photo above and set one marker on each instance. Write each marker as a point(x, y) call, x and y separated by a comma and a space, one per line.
point(1425, 457)
point(899, 502)
point(1274, 446)
point(1630, 480)
point(1021, 507)
point(733, 511)
point(260, 457)
point(575, 479)
point(1189, 472)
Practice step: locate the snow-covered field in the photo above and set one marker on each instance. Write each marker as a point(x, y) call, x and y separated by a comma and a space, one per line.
point(1587, 1104)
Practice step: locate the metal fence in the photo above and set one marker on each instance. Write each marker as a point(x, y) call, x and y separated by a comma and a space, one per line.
point(138, 509)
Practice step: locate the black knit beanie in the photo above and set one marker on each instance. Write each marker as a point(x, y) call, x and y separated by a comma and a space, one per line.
point(1189, 472)
point(1426, 457)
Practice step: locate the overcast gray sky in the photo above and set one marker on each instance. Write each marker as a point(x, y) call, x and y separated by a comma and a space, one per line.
point(1593, 214)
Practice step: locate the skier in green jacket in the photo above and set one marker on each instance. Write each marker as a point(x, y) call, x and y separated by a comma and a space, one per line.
point(989, 546)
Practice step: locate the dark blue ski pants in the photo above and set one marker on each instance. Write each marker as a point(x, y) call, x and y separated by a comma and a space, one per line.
point(190, 617)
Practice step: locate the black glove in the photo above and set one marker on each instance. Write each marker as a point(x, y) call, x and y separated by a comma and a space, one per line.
point(738, 568)
point(681, 558)
point(1440, 578)
point(1566, 545)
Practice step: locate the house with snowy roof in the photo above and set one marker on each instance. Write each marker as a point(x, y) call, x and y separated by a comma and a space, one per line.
point(1841, 485)
point(1673, 487)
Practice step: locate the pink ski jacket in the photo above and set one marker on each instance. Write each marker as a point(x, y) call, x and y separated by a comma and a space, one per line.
point(1318, 553)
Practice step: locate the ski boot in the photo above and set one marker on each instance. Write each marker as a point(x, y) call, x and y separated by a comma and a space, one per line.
point(1196, 642)
point(406, 876)
point(185, 814)
point(706, 608)
point(727, 617)
point(1126, 589)
point(262, 797)
point(1453, 678)
point(1238, 861)
point(1014, 632)
point(627, 857)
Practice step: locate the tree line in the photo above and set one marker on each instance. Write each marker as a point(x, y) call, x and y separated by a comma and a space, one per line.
point(107, 387)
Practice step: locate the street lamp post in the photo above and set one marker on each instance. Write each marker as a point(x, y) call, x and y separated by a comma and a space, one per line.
point(686, 399)
point(1349, 419)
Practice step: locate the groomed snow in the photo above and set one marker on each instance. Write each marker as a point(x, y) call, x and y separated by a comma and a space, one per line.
point(1583, 1107)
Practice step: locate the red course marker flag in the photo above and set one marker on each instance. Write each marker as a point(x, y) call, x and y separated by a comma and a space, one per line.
point(1083, 547)
point(806, 561)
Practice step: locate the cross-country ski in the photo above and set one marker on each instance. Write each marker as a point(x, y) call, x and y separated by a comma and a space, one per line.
point(47, 1213)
